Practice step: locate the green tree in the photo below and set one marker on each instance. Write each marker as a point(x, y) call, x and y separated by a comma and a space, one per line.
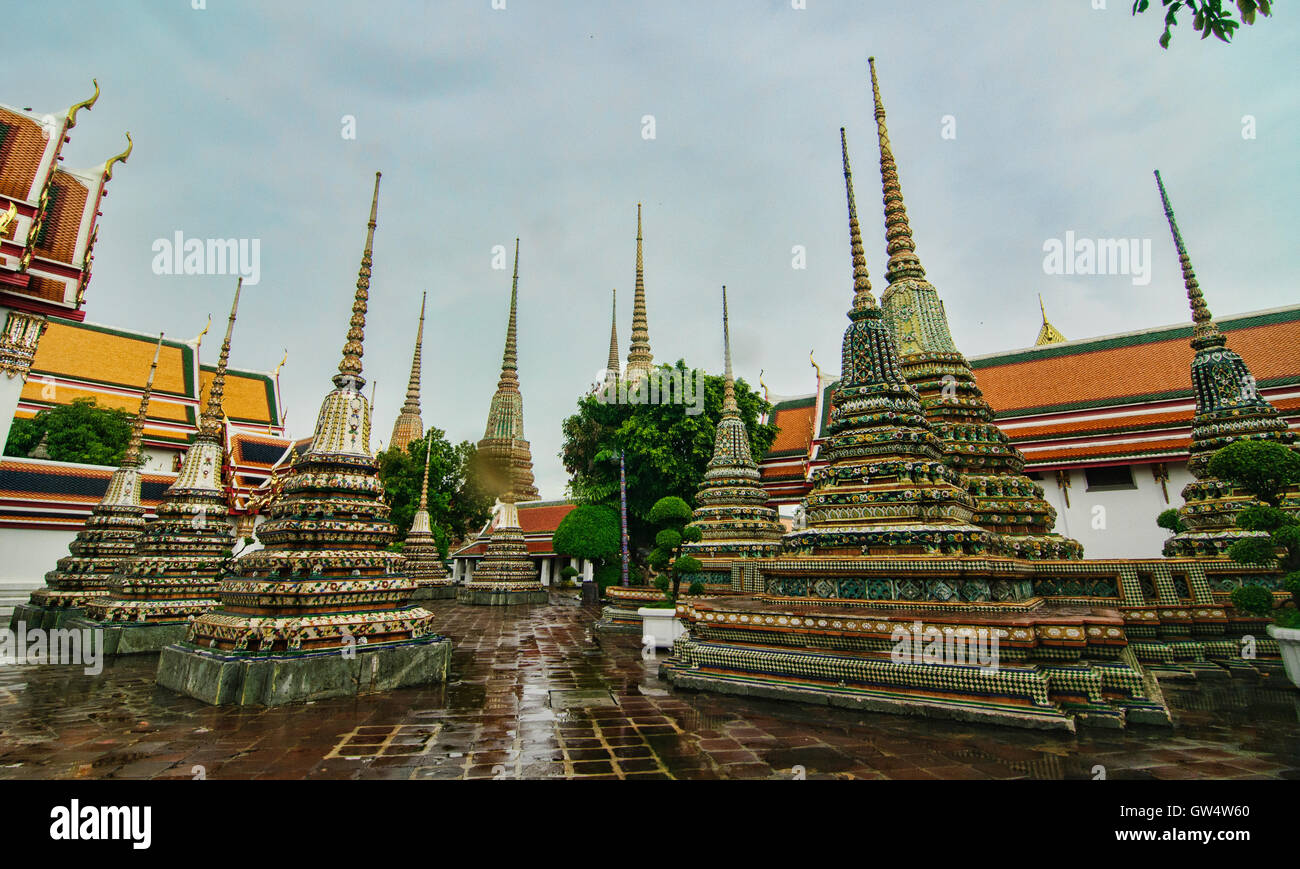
point(1265, 470)
point(671, 515)
point(458, 506)
point(666, 450)
point(1208, 16)
point(78, 432)
point(590, 531)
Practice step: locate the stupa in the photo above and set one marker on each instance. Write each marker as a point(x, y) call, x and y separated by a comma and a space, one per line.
point(172, 574)
point(733, 515)
point(613, 370)
point(108, 536)
point(506, 461)
point(640, 361)
point(408, 426)
point(987, 465)
point(424, 562)
point(1228, 408)
point(324, 609)
point(894, 599)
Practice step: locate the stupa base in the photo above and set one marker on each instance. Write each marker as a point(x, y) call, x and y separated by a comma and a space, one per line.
point(434, 591)
point(494, 594)
point(619, 615)
point(252, 679)
point(45, 618)
point(129, 638)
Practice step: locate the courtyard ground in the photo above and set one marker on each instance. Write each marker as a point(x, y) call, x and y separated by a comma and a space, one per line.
point(534, 692)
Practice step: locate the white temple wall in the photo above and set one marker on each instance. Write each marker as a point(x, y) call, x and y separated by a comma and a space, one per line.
point(1117, 523)
point(26, 554)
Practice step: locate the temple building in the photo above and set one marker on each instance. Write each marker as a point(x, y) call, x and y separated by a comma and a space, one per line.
point(48, 226)
point(424, 562)
point(505, 459)
point(639, 358)
point(171, 576)
point(537, 522)
point(323, 609)
point(109, 535)
point(408, 426)
point(506, 573)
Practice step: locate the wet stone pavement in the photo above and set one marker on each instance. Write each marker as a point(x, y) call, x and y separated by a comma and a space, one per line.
point(535, 693)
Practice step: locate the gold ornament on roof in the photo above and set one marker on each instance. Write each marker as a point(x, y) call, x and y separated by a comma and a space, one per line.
point(87, 104)
point(1049, 334)
point(120, 158)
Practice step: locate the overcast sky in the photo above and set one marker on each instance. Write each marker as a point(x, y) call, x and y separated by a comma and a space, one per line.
point(528, 121)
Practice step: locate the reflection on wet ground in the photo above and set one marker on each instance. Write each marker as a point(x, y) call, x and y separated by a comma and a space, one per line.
point(535, 693)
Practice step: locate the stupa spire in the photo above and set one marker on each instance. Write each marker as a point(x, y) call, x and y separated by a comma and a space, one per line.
point(350, 364)
point(903, 261)
point(1204, 326)
point(214, 413)
point(424, 487)
point(862, 297)
point(1048, 334)
point(612, 366)
point(639, 357)
point(133, 457)
point(510, 357)
point(729, 406)
point(408, 426)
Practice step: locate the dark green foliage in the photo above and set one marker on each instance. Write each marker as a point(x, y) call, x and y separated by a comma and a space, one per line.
point(672, 513)
point(1266, 519)
point(696, 588)
point(666, 451)
point(1208, 16)
point(1288, 618)
point(1253, 550)
point(1263, 468)
point(1169, 519)
point(458, 506)
point(1253, 599)
point(670, 510)
point(608, 574)
point(589, 531)
point(668, 539)
point(78, 432)
point(568, 571)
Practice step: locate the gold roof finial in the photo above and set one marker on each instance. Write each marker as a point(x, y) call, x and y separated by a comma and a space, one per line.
point(8, 218)
point(280, 364)
point(862, 298)
point(198, 339)
point(120, 158)
point(1049, 333)
point(817, 368)
point(1204, 326)
point(350, 364)
point(86, 104)
point(134, 456)
point(762, 384)
point(214, 414)
point(903, 261)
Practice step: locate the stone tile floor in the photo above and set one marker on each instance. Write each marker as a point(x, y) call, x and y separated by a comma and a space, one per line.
point(534, 693)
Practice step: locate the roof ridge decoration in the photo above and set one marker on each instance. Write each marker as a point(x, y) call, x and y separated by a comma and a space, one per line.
point(87, 104)
point(639, 358)
point(1229, 408)
point(1048, 334)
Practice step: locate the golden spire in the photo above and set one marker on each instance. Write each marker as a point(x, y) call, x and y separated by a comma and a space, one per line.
point(424, 489)
point(903, 261)
point(134, 458)
point(862, 298)
point(412, 404)
point(120, 158)
point(86, 104)
point(1049, 333)
point(612, 365)
point(510, 356)
point(729, 406)
point(1204, 326)
point(214, 413)
point(639, 357)
point(350, 365)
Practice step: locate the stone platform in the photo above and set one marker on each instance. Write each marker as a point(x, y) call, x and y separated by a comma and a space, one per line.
point(487, 594)
point(130, 638)
point(222, 678)
point(434, 592)
point(46, 618)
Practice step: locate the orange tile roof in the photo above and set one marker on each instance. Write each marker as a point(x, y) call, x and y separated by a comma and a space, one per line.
point(80, 351)
point(245, 396)
point(20, 154)
point(794, 427)
point(63, 217)
point(543, 516)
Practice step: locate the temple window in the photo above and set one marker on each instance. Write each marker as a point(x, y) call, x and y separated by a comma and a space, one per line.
point(1109, 478)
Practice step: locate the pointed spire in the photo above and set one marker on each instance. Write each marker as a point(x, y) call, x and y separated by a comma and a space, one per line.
point(1048, 334)
point(213, 415)
point(350, 365)
point(412, 404)
point(862, 298)
point(134, 457)
point(903, 261)
point(612, 365)
point(639, 357)
point(729, 406)
point(424, 488)
point(1205, 327)
point(510, 358)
